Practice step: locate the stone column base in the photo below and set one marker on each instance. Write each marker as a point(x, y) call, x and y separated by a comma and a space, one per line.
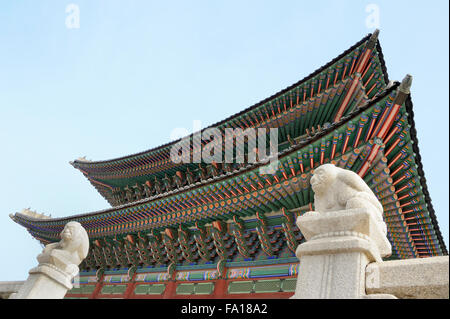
point(45, 282)
point(340, 245)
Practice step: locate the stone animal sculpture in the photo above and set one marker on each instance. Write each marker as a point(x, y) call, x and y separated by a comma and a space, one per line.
point(58, 265)
point(336, 189)
point(70, 251)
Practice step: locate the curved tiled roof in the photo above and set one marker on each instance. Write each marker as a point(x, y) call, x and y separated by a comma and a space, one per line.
point(238, 172)
point(413, 231)
point(423, 180)
point(248, 109)
point(241, 172)
point(105, 186)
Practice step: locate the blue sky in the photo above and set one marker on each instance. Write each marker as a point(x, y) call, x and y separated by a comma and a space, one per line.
point(135, 70)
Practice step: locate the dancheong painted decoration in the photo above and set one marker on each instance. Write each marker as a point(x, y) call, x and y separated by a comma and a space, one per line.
point(225, 230)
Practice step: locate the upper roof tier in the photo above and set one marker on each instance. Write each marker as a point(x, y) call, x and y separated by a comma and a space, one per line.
point(296, 111)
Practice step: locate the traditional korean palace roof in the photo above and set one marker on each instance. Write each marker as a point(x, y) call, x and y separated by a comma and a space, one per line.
point(131, 174)
point(189, 216)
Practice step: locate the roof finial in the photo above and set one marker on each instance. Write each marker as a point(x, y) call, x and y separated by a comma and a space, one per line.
point(403, 90)
point(373, 39)
point(375, 34)
point(405, 86)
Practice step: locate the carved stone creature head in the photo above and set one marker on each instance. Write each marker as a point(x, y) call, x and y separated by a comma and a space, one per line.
point(74, 238)
point(323, 177)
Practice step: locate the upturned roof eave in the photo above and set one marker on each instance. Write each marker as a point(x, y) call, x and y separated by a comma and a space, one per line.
point(423, 184)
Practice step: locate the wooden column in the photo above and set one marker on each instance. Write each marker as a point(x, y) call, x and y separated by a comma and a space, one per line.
point(98, 288)
point(220, 289)
point(130, 287)
point(171, 287)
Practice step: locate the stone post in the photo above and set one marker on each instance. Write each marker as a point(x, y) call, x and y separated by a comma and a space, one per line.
point(58, 265)
point(343, 237)
point(44, 282)
point(340, 245)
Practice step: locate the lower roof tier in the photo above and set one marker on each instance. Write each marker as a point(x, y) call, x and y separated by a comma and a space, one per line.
point(377, 141)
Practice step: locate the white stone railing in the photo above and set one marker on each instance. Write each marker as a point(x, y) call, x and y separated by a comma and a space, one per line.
point(419, 278)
